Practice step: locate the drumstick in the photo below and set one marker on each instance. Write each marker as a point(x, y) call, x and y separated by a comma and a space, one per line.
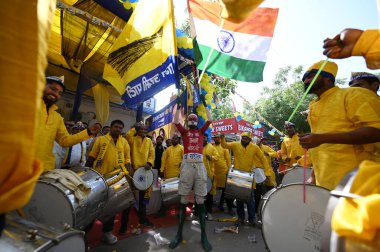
point(304, 175)
point(132, 179)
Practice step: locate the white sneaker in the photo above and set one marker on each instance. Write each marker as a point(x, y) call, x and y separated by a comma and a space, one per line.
point(209, 217)
point(109, 238)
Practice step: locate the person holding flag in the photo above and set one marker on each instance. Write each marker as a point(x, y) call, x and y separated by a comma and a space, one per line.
point(193, 175)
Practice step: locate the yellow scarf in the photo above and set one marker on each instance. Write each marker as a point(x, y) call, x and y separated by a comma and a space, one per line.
point(104, 142)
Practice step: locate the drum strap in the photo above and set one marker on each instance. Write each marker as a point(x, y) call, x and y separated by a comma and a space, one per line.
point(67, 158)
point(104, 142)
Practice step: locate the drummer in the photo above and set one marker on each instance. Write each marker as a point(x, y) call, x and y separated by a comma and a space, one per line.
point(171, 160)
point(269, 153)
point(221, 169)
point(245, 154)
point(142, 155)
point(110, 152)
point(193, 173)
point(170, 165)
point(291, 150)
point(210, 156)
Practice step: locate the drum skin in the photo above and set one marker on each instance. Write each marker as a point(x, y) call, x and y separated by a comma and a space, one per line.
point(289, 224)
point(331, 242)
point(24, 235)
point(54, 205)
point(295, 175)
point(120, 197)
point(262, 202)
point(142, 178)
point(239, 185)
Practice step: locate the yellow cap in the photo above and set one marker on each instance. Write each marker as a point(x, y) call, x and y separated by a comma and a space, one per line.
point(330, 70)
point(246, 134)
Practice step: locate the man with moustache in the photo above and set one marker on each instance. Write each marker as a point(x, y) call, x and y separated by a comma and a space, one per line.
point(52, 127)
point(342, 122)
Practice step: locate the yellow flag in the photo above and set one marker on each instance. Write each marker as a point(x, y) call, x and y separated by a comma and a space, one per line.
point(102, 102)
point(143, 60)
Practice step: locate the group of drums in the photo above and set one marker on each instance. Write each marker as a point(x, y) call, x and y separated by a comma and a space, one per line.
point(54, 217)
point(293, 215)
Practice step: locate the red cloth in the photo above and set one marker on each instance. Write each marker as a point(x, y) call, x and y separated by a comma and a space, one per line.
point(193, 138)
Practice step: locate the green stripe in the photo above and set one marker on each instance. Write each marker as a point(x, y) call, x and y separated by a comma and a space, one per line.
point(228, 66)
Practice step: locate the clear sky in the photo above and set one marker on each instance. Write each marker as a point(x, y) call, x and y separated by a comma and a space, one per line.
point(302, 25)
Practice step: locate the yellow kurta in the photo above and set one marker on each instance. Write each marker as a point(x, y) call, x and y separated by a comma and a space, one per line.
point(112, 156)
point(272, 154)
point(24, 43)
point(360, 218)
point(171, 161)
point(51, 127)
point(210, 165)
point(221, 166)
point(341, 110)
point(368, 46)
point(291, 148)
point(142, 150)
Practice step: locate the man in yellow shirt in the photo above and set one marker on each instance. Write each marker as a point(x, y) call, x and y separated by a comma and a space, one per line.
point(172, 158)
point(291, 150)
point(170, 164)
point(142, 155)
point(342, 122)
point(210, 156)
point(110, 152)
point(221, 168)
point(51, 126)
point(245, 153)
point(269, 153)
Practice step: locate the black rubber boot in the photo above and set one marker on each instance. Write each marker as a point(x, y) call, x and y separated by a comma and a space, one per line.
point(181, 219)
point(202, 219)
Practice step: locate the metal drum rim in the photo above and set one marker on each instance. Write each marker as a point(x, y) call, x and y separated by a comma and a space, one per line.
point(60, 238)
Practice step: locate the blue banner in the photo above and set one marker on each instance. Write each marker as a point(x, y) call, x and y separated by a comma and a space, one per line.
point(162, 117)
point(151, 83)
point(117, 7)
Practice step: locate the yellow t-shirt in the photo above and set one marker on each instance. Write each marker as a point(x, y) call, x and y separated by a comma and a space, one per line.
point(171, 161)
point(221, 165)
point(115, 153)
point(51, 127)
point(142, 150)
point(272, 154)
point(291, 148)
point(341, 110)
point(210, 165)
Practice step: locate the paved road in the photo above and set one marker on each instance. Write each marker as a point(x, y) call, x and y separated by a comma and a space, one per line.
point(220, 241)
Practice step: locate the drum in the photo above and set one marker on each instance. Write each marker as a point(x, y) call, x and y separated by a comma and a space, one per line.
point(169, 191)
point(23, 235)
point(120, 195)
point(289, 224)
point(330, 240)
point(142, 178)
point(259, 175)
point(295, 175)
point(239, 185)
point(54, 205)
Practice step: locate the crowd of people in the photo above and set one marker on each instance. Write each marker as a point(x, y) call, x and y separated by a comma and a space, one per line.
point(345, 134)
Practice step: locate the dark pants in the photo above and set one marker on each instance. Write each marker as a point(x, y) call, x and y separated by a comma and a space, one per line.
point(108, 225)
point(259, 191)
point(208, 203)
point(2, 223)
point(142, 207)
point(228, 201)
point(250, 208)
point(124, 219)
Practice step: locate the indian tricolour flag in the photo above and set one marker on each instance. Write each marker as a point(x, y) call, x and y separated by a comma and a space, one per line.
point(240, 49)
